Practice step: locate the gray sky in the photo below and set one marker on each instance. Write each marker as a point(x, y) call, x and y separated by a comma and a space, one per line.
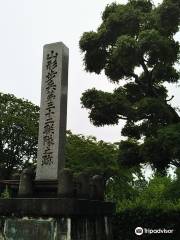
point(26, 25)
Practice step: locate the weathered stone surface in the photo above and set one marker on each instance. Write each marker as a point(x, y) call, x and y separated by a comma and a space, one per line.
point(60, 228)
point(2, 237)
point(28, 229)
point(54, 207)
point(65, 183)
point(79, 228)
point(53, 110)
point(97, 188)
point(83, 186)
point(26, 183)
point(64, 229)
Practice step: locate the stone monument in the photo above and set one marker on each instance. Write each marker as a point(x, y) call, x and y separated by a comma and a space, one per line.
point(55, 205)
point(53, 110)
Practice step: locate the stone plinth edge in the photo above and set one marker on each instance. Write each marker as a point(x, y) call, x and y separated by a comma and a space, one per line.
point(54, 207)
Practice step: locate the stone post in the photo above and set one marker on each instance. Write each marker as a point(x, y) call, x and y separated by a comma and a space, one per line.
point(65, 183)
point(26, 183)
point(97, 185)
point(83, 186)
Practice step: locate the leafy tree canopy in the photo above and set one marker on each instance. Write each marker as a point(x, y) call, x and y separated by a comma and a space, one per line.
point(160, 192)
point(88, 154)
point(135, 47)
point(18, 133)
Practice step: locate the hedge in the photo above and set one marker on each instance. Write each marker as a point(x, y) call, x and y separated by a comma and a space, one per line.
point(125, 222)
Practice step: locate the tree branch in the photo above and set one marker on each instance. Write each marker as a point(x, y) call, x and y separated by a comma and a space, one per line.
point(135, 76)
point(122, 118)
point(170, 98)
point(144, 66)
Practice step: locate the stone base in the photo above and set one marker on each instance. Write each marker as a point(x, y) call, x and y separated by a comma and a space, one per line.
point(39, 207)
point(75, 228)
point(55, 219)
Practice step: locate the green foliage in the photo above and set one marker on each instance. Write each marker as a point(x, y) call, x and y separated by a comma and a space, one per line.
point(135, 43)
point(173, 191)
point(134, 191)
point(18, 133)
point(6, 193)
point(88, 154)
point(125, 186)
point(163, 148)
point(149, 204)
point(169, 137)
point(153, 196)
point(129, 151)
point(146, 218)
point(103, 105)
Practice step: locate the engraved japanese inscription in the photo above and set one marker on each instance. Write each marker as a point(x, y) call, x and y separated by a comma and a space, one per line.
point(52, 124)
point(48, 131)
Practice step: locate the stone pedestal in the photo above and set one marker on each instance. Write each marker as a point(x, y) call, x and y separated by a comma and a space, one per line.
point(55, 229)
point(55, 219)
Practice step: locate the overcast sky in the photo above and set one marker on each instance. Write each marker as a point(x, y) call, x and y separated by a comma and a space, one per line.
point(26, 25)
